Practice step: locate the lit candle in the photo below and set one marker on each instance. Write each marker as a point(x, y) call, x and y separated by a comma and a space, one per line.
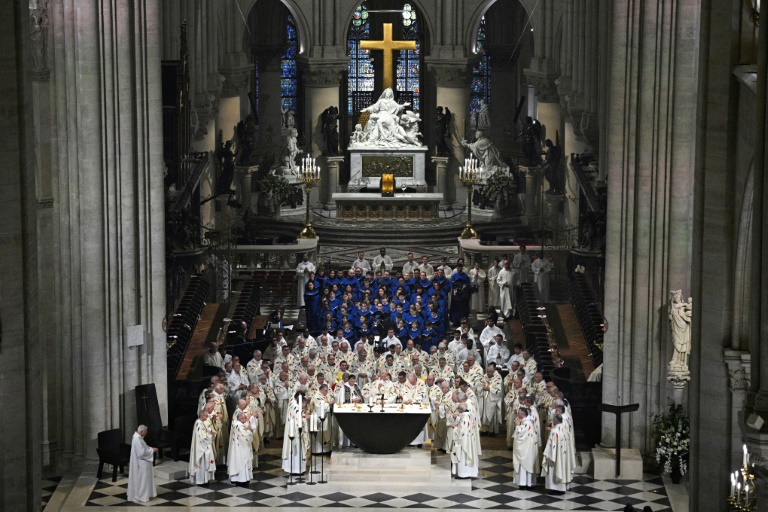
point(746, 456)
point(299, 402)
point(370, 400)
point(322, 409)
point(733, 485)
point(746, 496)
point(738, 491)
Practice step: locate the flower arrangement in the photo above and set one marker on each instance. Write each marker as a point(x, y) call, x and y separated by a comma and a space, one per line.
point(673, 438)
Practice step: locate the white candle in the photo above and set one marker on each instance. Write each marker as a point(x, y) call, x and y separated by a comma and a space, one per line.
point(746, 456)
point(299, 402)
point(738, 491)
point(746, 496)
point(370, 399)
point(733, 485)
point(313, 423)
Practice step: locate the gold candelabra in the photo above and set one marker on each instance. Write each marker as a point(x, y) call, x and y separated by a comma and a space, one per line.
point(743, 497)
point(309, 175)
point(470, 175)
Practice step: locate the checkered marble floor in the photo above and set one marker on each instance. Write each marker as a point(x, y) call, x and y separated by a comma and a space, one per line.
point(49, 487)
point(493, 490)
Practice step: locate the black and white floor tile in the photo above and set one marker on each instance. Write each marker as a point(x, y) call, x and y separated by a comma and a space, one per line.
point(493, 490)
point(49, 487)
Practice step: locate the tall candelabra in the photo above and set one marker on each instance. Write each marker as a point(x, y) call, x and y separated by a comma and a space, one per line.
point(743, 497)
point(470, 175)
point(309, 175)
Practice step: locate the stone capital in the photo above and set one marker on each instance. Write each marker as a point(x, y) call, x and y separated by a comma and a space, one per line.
point(236, 80)
point(38, 34)
point(546, 88)
point(450, 74)
point(319, 75)
point(738, 365)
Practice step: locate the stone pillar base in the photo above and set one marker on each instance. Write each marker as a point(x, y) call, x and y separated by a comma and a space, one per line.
point(444, 182)
point(329, 183)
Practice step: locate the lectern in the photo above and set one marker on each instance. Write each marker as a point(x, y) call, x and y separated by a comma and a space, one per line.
point(618, 410)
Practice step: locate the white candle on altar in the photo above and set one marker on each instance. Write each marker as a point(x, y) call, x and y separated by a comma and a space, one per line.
point(746, 456)
point(733, 485)
point(370, 399)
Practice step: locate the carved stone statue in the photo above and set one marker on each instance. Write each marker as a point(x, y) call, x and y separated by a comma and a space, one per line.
point(530, 137)
point(484, 117)
point(226, 158)
point(485, 151)
point(552, 168)
point(679, 313)
point(38, 21)
point(245, 141)
point(330, 119)
point(386, 128)
point(289, 153)
point(288, 120)
point(442, 124)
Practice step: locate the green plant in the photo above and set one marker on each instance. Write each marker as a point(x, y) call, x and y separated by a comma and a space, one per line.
point(275, 189)
point(673, 437)
point(501, 189)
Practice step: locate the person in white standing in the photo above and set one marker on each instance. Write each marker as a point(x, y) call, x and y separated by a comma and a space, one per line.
point(522, 265)
point(141, 479)
point(202, 461)
point(541, 269)
point(477, 285)
point(506, 281)
point(302, 276)
point(493, 286)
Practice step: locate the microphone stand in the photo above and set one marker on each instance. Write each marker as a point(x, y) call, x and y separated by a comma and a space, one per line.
point(300, 480)
point(322, 450)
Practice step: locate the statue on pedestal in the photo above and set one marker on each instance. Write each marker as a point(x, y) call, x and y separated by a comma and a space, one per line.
point(485, 151)
point(530, 137)
point(330, 118)
point(442, 136)
point(388, 126)
point(484, 117)
point(679, 313)
point(552, 168)
point(286, 164)
point(287, 119)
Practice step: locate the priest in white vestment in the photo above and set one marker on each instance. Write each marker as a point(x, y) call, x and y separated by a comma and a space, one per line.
point(493, 286)
point(141, 479)
point(490, 399)
point(296, 436)
point(465, 459)
point(477, 278)
point(240, 455)
point(202, 461)
point(321, 405)
point(559, 459)
point(526, 451)
point(541, 269)
point(303, 270)
point(521, 264)
point(415, 392)
point(506, 282)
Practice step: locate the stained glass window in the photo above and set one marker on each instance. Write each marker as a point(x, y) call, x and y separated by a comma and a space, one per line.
point(360, 67)
point(288, 77)
point(408, 67)
point(480, 87)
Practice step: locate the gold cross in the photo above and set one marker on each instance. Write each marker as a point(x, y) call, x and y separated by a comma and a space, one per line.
point(387, 45)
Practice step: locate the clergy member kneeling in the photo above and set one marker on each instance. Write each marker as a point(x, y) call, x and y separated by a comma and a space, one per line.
point(464, 456)
point(240, 455)
point(141, 479)
point(559, 460)
point(296, 436)
point(526, 454)
point(202, 461)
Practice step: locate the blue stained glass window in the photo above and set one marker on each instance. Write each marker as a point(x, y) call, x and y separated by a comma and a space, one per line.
point(288, 75)
point(480, 86)
point(360, 68)
point(408, 64)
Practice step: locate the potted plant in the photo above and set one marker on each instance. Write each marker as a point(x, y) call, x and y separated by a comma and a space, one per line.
point(274, 191)
point(501, 191)
point(673, 440)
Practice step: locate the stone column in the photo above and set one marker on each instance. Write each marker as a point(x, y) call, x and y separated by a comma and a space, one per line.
point(236, 75)
point(244, 187)
point(109, 207)
point(441, 173)
point(737, 363)
point(452, 91)
point(268, 59)
point(329, 181)
point(532, 191)
point(650, 206)
point(22, 347)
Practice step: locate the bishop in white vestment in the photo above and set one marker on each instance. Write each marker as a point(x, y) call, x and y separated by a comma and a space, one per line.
point(465, 460)
point(526, 452)
point(141, 479)
point(240, 455)
point(559, 460)
point(506, 281)
point(202, 461)
point(295, 437)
